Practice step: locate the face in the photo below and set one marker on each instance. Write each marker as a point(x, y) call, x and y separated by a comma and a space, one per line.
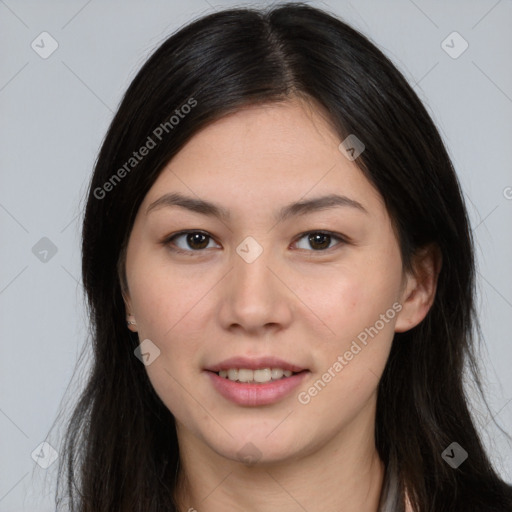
point(315, 290)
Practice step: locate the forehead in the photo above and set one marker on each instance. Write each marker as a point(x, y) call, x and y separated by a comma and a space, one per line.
point(264, 155)
point(271, 132)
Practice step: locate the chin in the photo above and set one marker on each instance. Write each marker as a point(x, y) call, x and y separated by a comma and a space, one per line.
point(258, 446)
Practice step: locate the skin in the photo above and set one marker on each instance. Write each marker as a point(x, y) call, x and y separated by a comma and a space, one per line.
point(303, 305)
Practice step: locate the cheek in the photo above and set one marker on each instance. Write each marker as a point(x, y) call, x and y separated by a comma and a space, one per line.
point(167, 308)
point(162, 294)
point(353, 298)
point(350, 363)
point(360, 306)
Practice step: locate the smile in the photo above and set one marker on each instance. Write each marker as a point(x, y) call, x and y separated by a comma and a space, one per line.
point(255, 376)
point(252, 393)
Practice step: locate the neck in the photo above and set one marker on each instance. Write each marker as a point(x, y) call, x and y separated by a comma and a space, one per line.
point(345, 474)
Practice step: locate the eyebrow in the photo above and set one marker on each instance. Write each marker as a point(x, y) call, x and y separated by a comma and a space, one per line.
point(291, 210)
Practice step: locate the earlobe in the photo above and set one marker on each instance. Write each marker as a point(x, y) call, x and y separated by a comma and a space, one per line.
point(420, 288)
point(131, 323)
point(130, 319)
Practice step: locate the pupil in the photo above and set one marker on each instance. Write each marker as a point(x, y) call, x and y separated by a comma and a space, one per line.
point(318, 238)
point(195, 237)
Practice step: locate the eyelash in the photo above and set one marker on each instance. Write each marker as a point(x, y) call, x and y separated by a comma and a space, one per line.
point(168, 241)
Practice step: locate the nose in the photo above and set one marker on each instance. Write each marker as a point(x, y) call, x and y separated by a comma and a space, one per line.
point(255, 297)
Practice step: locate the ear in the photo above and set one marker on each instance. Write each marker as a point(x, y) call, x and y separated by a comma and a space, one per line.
point(419, 287)
point(126, 298)
point(131, 323)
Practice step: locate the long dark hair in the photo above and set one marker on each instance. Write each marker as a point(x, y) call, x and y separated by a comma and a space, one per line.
point(120, 451)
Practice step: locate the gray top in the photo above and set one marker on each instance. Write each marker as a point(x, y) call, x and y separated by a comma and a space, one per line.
point(390, 497)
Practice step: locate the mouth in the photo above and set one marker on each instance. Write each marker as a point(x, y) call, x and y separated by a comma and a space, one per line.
point(258, 376)
point(254, 382)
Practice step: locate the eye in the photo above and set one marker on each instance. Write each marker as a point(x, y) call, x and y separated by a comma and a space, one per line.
point(195, 241)
point(320, 240)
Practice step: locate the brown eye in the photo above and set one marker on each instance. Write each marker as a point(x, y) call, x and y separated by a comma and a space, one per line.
point(191, 241)
point(197, 240)
point(319, 240)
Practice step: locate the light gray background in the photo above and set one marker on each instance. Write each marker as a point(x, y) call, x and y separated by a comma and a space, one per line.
point(55, 112)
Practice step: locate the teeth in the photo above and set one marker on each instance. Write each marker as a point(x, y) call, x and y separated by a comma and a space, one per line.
point(245, 375)
point(261, 375)
point(277, 373)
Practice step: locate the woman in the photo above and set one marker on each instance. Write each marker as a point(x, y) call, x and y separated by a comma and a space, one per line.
point(280, 275)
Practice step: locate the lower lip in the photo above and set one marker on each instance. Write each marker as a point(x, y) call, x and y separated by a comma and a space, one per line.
point(243, 393)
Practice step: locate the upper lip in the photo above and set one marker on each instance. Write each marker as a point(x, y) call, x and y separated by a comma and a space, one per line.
point(254, 364)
